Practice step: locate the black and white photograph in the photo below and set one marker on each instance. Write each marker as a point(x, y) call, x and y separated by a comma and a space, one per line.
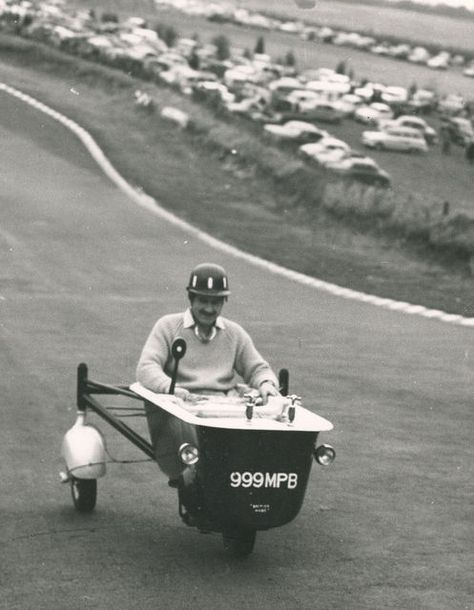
point(236, 304)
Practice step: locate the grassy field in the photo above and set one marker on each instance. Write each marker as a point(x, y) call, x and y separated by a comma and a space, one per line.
point(255, 214)
point(308, 55)
point(380, 20)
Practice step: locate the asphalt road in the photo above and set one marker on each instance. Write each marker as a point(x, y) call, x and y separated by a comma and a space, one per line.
point(84, 273)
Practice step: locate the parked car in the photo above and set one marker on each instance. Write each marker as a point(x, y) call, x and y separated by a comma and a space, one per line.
point(326, 150)
point(327, 89)
point(246, 106)
point(317, 110)
point(413, 122)
point(460, 130)
point(440, 61)
point(265, 116)
point(370, 92)
point(361, 169)
point(469, 70)
point(210, 89)
point(451, 104)
point(297, 96)
point(296, 131)
point(394, 95)
point(371, 114)
point(400, 51)
point(326, 34)
point(419, 55)
point(422, 100)
point(395, 138)
point(331, 76)
point(240, 74)
point(348, 104)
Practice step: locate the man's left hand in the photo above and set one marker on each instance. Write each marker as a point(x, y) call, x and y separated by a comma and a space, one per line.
point(267, 389)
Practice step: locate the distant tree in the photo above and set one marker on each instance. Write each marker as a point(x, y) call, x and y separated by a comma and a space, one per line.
point(222, 45)
point(341, 67)
point(260, 45)
point(376, 96)
point(109, 18)
point(167, 33)
point(290, 59)
point(305, 3)
point(194, 61)
point(27, 20)
point(413, 88)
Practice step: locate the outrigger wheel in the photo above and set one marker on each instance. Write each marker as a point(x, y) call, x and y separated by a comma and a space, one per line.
point(84, 494)
point(239, 543)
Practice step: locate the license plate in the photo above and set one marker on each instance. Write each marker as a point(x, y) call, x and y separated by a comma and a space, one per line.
point(286, 480)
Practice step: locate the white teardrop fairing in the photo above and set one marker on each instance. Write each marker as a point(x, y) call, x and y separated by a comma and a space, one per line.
point(83, 450)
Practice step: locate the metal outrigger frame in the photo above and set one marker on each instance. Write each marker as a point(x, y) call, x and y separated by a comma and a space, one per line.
point(86, 388)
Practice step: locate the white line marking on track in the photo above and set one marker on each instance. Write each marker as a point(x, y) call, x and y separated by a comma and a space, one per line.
point(153, 206)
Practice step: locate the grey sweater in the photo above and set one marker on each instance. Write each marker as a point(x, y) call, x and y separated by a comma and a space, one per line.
point(211, 366)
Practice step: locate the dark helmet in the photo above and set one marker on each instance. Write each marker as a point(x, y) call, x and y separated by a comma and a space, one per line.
point(208, 279)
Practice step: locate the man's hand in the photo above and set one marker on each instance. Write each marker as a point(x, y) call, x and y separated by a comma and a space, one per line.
point(267, 389)
point(181, 393)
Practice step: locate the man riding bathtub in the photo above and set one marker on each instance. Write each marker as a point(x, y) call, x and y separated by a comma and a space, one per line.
point(218, 349)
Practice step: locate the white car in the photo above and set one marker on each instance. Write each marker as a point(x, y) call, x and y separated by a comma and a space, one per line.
point(451, 104)
point(348, 104)
point(320, 110)
point(246, 106)
point(460, 130)
point(419, 55)
point(297, 96)
point(395, 138)
point(213, 88)
point(380, 49)
point(394, 95)
point(361, 169)
point(325, 151)
point(413, 122)
point(373, 113)
point(439, 62)
point(298, 131)
point(400, 51)
point(423, 100)
point(469, 70)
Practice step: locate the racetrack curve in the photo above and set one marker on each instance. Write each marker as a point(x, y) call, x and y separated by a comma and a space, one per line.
point(85, 273)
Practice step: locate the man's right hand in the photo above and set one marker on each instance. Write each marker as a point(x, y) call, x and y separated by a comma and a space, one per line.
point(267, 389)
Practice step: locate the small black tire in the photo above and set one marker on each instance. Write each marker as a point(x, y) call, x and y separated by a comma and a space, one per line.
point(239, 543)
point(84, 494)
